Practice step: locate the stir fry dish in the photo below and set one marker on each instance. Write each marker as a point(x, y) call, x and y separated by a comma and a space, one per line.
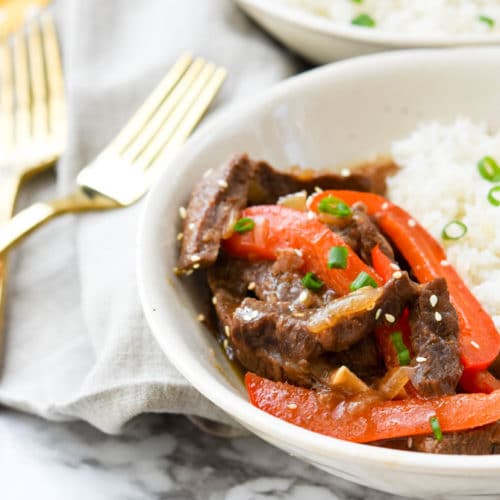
point(342, 310)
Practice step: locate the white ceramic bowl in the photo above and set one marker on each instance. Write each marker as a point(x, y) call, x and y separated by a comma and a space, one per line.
point(320, 40)
point(334, 115)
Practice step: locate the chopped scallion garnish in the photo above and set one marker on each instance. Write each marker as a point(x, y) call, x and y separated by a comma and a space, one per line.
point(364, 20)
point(337, 258)
point(244, 225)
point(494, 196)
point(454, 230)
point(362, 279)
point(489, 169)
point(487, 20)
point(311, 281)
point(334, 206)
point(401, 349)
point(436, 428)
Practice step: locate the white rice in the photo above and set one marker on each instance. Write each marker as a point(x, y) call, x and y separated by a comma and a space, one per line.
point(439, 182)
point(411, 17)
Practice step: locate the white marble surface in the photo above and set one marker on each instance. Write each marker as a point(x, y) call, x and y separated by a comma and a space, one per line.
point(158, 457)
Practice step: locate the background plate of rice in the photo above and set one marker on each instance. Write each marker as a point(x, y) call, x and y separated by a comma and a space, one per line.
point(323, 30)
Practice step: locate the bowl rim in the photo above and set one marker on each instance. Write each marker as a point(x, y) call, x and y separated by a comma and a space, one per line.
point(235, 406)
point(302, 18)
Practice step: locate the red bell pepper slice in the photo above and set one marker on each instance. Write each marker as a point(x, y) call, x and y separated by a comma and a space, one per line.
point(279, 227)
point(379, 420)
point(482, 381)
point(382, 264)
point(479, 339)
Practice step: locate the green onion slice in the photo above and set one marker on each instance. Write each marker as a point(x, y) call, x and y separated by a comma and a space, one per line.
point(489, 169)
point(454, 230)
point(436, 428)
point(494, 196)
point(401, 349)
point(334, 206)
point(311, 281)
point(364, 20)
point(362, 279)
point(337, 258)
point(487, 20)
point(244, 225)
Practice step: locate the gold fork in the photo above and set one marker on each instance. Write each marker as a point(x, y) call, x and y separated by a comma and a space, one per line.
point(32, 115)
point(124, 171)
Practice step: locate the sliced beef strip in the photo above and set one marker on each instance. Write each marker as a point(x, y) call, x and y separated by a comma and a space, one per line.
point(270, 341)
point(351, 326)
point(477, 441)
point(268, 184)
point(364, 359)
point(278, 281)
point(495, 367)
point(274, 339)
point(362, 234)
point(434, 337)
point(219, 197)
point(214, 205)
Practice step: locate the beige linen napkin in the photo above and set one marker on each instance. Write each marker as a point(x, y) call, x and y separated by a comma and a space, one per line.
point(77, 344)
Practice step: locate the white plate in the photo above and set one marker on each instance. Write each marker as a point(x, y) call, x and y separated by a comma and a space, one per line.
point(320, 40)
point(334, 115)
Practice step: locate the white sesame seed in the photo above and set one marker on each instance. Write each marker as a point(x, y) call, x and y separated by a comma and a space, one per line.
point(291, 406)
point(207, 173)
point(410, 442)
point(304, 295)
point(311, 215)
point(182, 212)
point(298, 315)
point(196, 266)
point(227, 331)
point(180, 236)
point(394, 266)
point(444, 263)
point(420, 359)
point(225, 343)
point(390, 318)
point(411, 223)
point(214, 300)
point(191, 226)
point(251, 285)
point(397, 274)
point(195, 258)
point(222, 183)
point(176, 270)
point(437, 316)
point(474, 344)
point(345, 172)
point(189, 272)
point(201, 318)
point(385, 206)
point(433, 300)
point(378, 313)
point(298, 252)
point(318, 189)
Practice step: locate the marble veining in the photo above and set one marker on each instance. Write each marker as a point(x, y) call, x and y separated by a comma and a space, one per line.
point(158, 457)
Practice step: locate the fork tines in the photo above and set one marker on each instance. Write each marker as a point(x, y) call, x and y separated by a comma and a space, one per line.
point(170, 113)
point(32, 108)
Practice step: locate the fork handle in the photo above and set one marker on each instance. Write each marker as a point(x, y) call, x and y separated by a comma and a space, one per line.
point(35, 216)
point(9, 191)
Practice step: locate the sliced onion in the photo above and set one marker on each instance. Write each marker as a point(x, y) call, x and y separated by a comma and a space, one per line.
point(345, 381)
point(361, 300)
point(294, 200)
point(393, 382)
point(228, 229)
